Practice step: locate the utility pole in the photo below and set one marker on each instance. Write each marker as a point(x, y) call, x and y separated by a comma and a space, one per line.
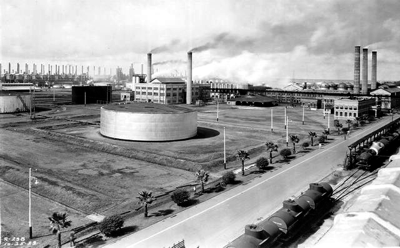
point(287, 131)
point(272, 120)
point(217, 109)
point(285, 118)
point(329, 114)
point(224, 150)
point(30, 203)
point(303, 114)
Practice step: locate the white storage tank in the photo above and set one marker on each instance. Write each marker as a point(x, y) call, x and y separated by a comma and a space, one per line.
point(147, 122)
point(14, 102)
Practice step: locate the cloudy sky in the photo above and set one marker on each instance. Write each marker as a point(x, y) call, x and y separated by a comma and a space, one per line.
point(254, 41)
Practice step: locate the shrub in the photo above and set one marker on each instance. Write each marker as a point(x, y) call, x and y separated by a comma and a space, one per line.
point(111, 224)
point(262, 163)
point(305, 145)
point(344, 130)
point(321, 139)
point(285, 153)
point(355, 125)
point(362, 122)
point(180, 196)
point(229, 177)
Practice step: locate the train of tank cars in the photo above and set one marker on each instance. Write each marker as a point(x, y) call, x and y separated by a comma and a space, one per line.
point(296, 213)
point(287, 221)
point(366, 159)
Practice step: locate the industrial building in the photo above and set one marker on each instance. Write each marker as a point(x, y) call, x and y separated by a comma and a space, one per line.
point(147, 122)
point(350, 108)
point(164, 91)
point(91, 94)
point(249, 100)
point(387, 97)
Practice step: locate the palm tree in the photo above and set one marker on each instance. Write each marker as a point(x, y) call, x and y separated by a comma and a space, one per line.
point(357, 120)
point(202, 176)
point(294, 140)
point(312, 135)
point(145, 199)
point(242, 155)
point(271, 147)
point(338, 126)
point(325, 133)
point(58, 221)
point(349, 122)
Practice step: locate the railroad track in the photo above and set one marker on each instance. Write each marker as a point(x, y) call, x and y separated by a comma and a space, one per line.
point(354, 182)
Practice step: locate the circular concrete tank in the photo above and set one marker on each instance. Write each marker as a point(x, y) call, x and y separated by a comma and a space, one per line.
point(14, 102)
point(147, 122)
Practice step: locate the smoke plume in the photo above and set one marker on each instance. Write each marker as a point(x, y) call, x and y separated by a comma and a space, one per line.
point(167, 47)
point(174, 61)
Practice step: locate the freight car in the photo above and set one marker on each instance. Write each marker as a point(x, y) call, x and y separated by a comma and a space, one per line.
point(287, 221)
point(366, 158)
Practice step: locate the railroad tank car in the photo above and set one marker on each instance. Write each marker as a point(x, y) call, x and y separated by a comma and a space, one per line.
point(287, 221)
point(366, 158)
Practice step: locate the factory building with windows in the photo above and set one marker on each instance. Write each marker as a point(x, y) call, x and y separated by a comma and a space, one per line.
point(347, 108)
point(388, 97)
point(164, 91)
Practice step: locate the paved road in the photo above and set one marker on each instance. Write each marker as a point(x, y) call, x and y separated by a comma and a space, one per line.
point(220, 220)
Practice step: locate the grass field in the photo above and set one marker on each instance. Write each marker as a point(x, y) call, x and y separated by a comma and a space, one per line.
point(14, 214)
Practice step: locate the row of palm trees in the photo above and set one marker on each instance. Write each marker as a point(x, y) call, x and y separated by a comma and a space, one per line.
point(272, 147)
point(146, 197)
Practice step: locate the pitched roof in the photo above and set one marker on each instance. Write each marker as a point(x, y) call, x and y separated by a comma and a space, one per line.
point(166, 80)
point(387, 91)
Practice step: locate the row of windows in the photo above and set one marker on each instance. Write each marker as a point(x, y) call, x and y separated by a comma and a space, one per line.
point(161, 94)
point(345, 114)
point(162, 89)
point(346, 107)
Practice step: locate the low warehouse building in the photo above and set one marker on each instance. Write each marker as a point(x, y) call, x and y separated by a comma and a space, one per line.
point(91, 94)
point(258, 101)
point(13, 102)
point(148, 122)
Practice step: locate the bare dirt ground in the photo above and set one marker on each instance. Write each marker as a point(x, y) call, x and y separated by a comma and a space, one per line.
point(87, 173)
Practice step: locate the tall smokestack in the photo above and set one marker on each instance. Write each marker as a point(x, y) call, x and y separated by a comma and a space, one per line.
point(364, 86)
point(373, 70)
point(189, 80)
point(26, 68)
point(9, 68)
point(17, 68)
point(357, 55)
point(148, 68)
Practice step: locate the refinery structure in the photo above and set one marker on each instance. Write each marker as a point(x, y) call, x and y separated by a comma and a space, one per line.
point(125, 134)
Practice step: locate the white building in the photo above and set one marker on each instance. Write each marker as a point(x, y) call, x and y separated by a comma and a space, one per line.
point(164, 90)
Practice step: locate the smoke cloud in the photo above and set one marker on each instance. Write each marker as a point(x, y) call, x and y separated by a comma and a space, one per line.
point(167, 47)
point(174, 61)
point(226, 41)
